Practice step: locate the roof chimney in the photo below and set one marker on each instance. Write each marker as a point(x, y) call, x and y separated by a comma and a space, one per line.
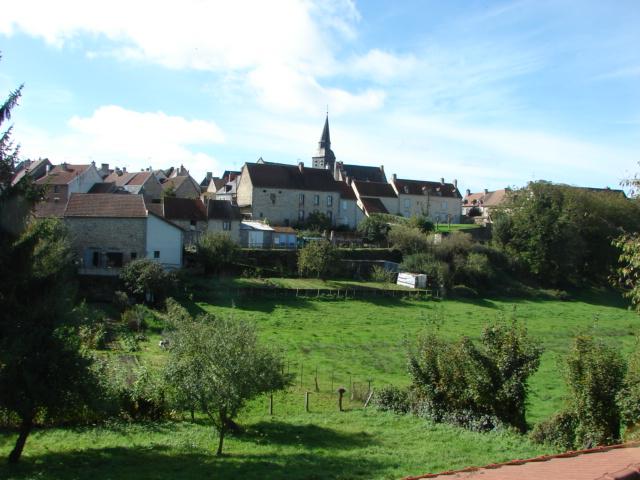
point(301, 167)
point(442, 180)
point(64, 166)
point(468, 192)
point(455, 182)
point(486, 190)
point(394, 177)
point(382, 168)
point(48, 169)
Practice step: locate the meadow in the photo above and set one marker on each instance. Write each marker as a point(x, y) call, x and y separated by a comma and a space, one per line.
point(344, 341)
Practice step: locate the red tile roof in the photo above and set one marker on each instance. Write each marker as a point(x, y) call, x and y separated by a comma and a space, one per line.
point(105, 205)
point(375, 189)
point(620, 462)
point(283, 229)
point(62, 174)
point(488, 199)
point(140, 178)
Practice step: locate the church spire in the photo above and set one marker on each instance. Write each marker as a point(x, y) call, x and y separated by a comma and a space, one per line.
point(325, 139)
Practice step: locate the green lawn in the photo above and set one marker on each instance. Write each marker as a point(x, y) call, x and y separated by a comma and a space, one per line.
point(443, 227)
point(347, 341)
point(213, 286)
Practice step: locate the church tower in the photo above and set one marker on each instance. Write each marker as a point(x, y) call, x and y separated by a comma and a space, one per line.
point(324, 158)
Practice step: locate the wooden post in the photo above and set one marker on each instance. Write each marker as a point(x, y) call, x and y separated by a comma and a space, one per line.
point(331, 380)
point(271, 404)
point(366, 404)
point(301, 373)
point(306, 402)
point(317, 388)
point(341, 391)
point(351, 386)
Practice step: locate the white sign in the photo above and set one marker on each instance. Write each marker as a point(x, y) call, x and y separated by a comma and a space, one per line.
point(412, 280)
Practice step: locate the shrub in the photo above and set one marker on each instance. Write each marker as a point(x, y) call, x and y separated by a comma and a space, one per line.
point(421, 222)
point(374, 229)
point(392, 399)
point(408, 239)
point(317, 222)
point(318, 259)
point(381, 274)
point(121, 300)
point(437, 270)
point(559, 431)
point(629, 396)
point(136, 318)
point(459, 243)
point(147, 281)
point(215, 251)
point(594, 375)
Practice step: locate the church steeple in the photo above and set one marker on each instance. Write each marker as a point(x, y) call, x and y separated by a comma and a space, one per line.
point(325, 157)
point(325, 139)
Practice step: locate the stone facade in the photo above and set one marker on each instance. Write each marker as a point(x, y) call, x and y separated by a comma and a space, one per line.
point(434, 207)
point(94, 239)
point(232, 227)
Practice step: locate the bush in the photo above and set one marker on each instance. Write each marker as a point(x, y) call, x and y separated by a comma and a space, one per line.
point(317, 222)
point(392, 399)
point(408, 239)
point(462, 380)
point(215, 251)
point(318, 259)
point(559, 431)
point(594, 375)
point(147, 281)
point(629, 396)
point(137, 318)
point(121, 300)
point(421, 222)
point(437, 270)
point(374, 229)
point(381, 274)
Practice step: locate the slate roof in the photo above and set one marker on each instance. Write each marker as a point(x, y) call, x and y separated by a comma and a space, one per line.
point(346, 191)
point(222, 210)
point(34, 168)
point(184, 209)
point(375, 189)
point(174, 182)
point(105, 205)
point(103, 187)
point(268, 175)
point(621, 462)
point(419, 187)
point(62, 175)
point(373, 205)
point(363, 173)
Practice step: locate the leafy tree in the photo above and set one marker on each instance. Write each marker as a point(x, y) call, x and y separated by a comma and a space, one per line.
point(420, 221)
point(219, 363)
point(408, 240)
point(42, 369)
point(317, 259)
point(374, 229)
point(628, 272)
point(629, 396)
point(215, 251)
point(146, 280)
point(594, 373)
point(318, 222)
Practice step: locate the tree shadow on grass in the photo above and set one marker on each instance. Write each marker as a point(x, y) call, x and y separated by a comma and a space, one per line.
point(159, 462)
point(308, 436)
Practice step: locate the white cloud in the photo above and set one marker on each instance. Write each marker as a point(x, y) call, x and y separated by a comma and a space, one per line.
point(280, 45)
point(123, 137)
point(382, 66)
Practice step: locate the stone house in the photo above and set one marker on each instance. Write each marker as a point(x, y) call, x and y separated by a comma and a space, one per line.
point(181, 186)
point(35, 169)
point(223, 216)
point(349, 214)
point(108, 231)
point(140, 183)
point(439, 201)
point(287, 194)
point(284, 237)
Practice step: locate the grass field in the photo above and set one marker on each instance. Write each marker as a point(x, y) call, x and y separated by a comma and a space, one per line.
point(352, 340)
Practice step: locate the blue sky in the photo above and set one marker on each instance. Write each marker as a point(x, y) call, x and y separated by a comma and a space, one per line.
point(493, 94)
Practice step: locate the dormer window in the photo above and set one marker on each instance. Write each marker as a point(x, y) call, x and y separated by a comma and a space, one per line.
point(406, 189)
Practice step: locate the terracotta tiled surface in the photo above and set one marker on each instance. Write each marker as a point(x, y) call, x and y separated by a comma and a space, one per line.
point(620, 462)
point(105, 205)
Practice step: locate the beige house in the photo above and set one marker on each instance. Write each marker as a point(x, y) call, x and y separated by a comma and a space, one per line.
point(439, 201)
point(376, 197)
point(181, 186)
point(139, 183)
point(479, 205)
point(190, 214)
point(287, 194)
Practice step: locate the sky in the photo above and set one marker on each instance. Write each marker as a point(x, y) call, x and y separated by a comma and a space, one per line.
point(491, 93)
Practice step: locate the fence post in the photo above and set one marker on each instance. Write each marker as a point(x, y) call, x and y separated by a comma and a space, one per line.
point(317, 388)
point(301, 373)
point(341, 391)
point(271, 404)
point(332, 380)
point(306, 402)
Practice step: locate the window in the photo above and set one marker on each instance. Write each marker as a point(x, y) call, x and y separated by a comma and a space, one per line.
point(134, 255)
point(329, 214)
point(329, 200)
point(114, 259)
point(261, 215)
point(300, 214)
point(301, 199)
point(156, 254)
point(316, 199)
point(444, 205)
point(226, 226)
point(407, 203)
point(192, 224)
point(56, 189)
point(95, 260)
point(343, 204)
point(272, 197)
point(286, 222)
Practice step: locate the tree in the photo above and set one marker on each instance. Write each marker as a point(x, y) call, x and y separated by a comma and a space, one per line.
point(374, 229)
point(42, 369)
point(628, 272)
point(219, 363)
point(408, 240)
point(318, 222)
point(318, 259)
point(215, 251)
point(147, 280)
